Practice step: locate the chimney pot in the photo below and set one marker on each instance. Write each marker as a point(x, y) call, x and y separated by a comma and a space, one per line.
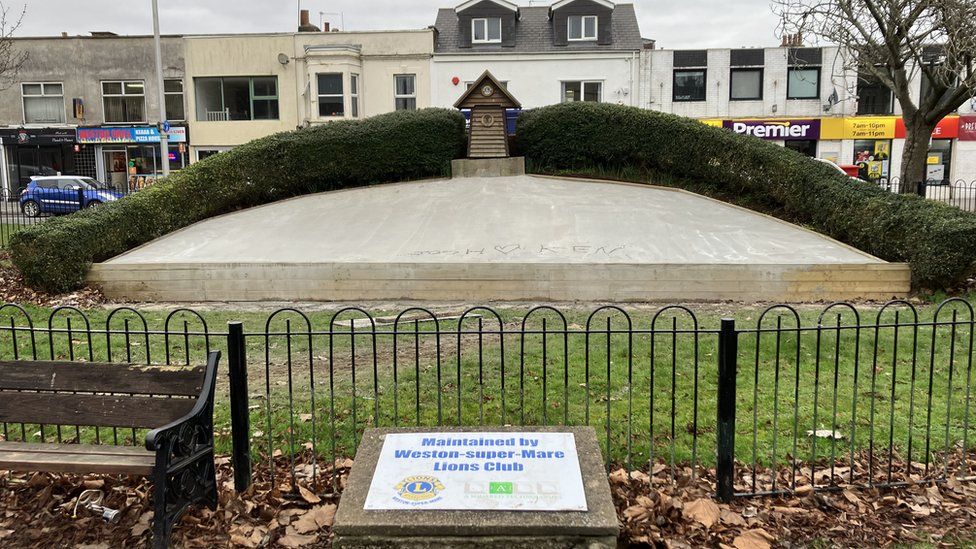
point(325, 26)
point(303, 23)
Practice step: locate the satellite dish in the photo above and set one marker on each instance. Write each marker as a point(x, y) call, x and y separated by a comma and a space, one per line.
point(283, 58)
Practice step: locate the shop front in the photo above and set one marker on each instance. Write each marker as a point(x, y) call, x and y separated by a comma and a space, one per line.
point(938, 170)
point(28, 152)
point(801, 135)
point(128, 157)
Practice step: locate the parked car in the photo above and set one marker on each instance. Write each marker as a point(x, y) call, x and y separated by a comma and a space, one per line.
point(63, 194)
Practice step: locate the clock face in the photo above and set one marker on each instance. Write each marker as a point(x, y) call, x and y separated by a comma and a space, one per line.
point(487, 90)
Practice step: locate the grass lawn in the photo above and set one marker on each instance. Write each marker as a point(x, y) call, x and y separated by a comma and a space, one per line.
point(911, 388)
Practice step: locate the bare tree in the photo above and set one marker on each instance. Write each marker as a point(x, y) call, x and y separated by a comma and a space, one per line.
point(11, 59)
point(893, 41)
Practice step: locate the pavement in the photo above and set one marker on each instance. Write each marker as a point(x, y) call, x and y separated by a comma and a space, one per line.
point(520, 219)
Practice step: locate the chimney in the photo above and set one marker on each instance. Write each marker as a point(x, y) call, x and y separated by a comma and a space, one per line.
point(303, 23)
point(325, 26)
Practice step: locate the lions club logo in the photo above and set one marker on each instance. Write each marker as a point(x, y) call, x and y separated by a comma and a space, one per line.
point(419, 488)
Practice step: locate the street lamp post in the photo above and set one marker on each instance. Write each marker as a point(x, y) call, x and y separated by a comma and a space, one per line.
point(163, 136)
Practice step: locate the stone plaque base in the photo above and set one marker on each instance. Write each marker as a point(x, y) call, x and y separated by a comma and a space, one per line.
point(596, 528)
point(488, 167)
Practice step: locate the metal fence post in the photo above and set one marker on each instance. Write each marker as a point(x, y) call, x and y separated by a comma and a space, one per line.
point(728, 350)
point(81, 199)
point(239, 418)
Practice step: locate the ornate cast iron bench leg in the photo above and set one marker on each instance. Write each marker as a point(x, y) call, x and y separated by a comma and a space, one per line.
point(184, 475)
point(184, 472)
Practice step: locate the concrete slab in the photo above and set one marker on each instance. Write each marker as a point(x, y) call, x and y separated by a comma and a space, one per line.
point(498, 238)
point(595, 528)
point(497, 220)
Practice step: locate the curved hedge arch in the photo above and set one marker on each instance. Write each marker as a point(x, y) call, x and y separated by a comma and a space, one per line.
point(55, 255)
point(604, 140)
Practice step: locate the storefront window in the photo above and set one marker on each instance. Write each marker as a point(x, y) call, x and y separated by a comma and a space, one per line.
point(873, 159)
point(804, 146)
point(26, 161)
point(939, 162)
point(177, 159)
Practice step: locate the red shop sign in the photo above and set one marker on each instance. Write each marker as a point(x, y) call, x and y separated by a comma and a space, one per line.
point(967, 128)
point(948, 128)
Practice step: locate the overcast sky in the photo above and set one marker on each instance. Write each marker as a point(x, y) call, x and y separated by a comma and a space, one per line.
point(681, 24)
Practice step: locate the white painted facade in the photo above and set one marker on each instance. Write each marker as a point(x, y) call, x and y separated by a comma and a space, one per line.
point(535, 79)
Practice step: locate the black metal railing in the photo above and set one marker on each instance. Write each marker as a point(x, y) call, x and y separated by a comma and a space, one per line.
point(773, 399)
point(959, 193)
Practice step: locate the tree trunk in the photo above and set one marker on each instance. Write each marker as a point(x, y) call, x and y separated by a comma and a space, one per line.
point(914, 157)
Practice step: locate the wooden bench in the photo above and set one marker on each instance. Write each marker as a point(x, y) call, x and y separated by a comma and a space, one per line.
point(176, 403)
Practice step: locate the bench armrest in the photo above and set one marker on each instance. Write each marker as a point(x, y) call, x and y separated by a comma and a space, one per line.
point(197, 423)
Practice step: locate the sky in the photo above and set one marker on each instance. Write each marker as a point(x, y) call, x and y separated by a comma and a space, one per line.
point(683, 24)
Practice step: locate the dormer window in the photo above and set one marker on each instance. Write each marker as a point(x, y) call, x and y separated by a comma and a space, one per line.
point(486, 30)
point(581, 27)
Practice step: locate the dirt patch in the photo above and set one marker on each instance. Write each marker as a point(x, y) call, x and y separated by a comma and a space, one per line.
point(14, 290)
point(660, 508)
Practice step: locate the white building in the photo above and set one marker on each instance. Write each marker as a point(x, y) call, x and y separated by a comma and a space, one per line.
point(573, 50)
point(804, 98)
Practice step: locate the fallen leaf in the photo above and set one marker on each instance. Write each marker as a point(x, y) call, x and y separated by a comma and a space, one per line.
point(636, 512)
point(308, 496)
point(732, 518)
point(294, 539)
point(753, 539)
point(315, 519)
point(703, 510)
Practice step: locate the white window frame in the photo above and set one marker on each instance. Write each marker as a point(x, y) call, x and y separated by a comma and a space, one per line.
point(123, 94)
point(215, 150)
point(582, 83)
point(405, 96)
point(341, 95)
point(583, 37)
point(487, 39)
point(24, 96)
point(354, 95)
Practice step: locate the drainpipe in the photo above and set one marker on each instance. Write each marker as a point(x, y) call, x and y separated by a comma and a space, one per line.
point(634, 94)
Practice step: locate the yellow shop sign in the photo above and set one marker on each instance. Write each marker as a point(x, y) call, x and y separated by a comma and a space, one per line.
point(860, 127)
point(870, 127)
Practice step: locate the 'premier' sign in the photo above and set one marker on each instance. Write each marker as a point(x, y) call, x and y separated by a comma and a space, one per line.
point(776, 129)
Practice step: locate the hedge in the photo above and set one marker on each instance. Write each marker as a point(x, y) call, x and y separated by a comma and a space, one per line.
point(937, 240)
point(55, 255)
